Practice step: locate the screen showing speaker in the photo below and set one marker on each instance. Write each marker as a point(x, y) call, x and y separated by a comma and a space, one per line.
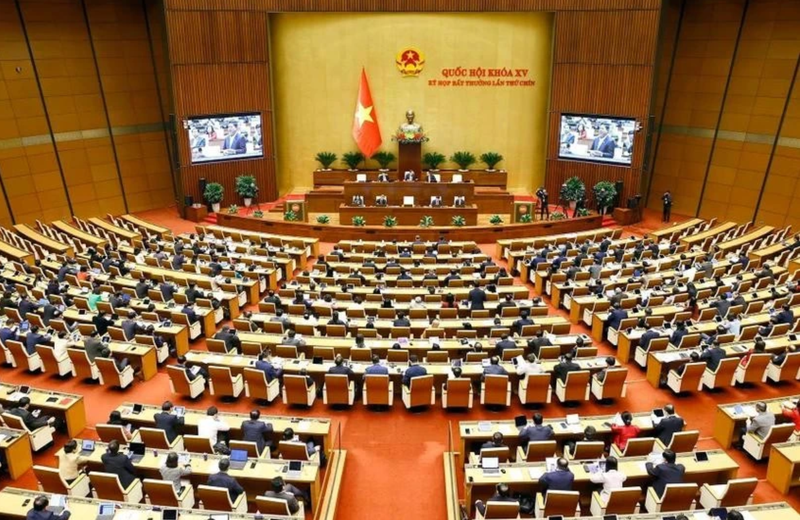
point(597, 138)
point(224, 137)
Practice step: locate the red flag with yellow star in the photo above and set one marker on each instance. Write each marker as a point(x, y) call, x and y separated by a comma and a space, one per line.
point(365, 122)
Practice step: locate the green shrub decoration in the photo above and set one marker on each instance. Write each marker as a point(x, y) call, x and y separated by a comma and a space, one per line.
point(233, 209)
point(463, 159)
point(527, 218)
point(496, 220)
point(558, 215)
point(582, 212)
point(258, 213)
point(458, 221)
point(246, 186)
point(352, 159)
point(359, 221)
point(426, 221)
point(490, 159)
point(384, 158)
point(433, 159)
point(291, 216)
point(573, 190)
point(323, 219)
point(389, 221)
point(213, 193)
point(604, 194)
point(326, 159)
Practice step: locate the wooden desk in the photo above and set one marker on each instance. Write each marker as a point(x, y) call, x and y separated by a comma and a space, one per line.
point(196, 213)
point(759, 256)
point(120, 232)
point(421, 191)
point(79, 234)
point(306, 428)
point(408, 216)
point(506, 246)
point(736, 243)
point(783, 471)
point(677, 228)
point(238, 234)
point(699, 238)
point(719, 468)
point(68, 406)
point(254, 478)
point(251, 286)
point(16, 254)
point(406, 294)
point(16, 448)
point(479, 177)
point(727, 422)
point(43, 240)
point(151, 228)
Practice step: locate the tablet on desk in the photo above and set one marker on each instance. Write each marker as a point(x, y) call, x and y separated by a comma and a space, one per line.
point(137, 408)
point(701, 456)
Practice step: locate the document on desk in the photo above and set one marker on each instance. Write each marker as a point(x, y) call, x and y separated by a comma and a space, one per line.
point(535, 473)
point(304, 426)
point(516, 474)
point(484, 426)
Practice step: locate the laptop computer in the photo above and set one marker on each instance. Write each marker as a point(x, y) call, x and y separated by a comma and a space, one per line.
point(490, 465)
point(295, 468)
point(520, 421)
point(105, 512)
point(87, 447)
point(136, 451)
point(137, 408)
point(238, 459)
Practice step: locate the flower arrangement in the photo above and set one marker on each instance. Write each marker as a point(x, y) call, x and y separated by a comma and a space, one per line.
point(496, 220)
point(233, 209)
point(389, 221)
point(426, 221)
point(558, 215)
point(359, 221)
point(582, 212)
point(290, 216)
point(323, 219)
point(410, 137)
point(258, 213)
point(527, 218)
point(459, 221)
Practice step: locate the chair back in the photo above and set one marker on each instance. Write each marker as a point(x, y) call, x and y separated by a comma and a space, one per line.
point(214, 498)
point(575, 385)
point(337, 388)
point(420, 389)
point(754, 372)
point(50, 480)
point(639, 447)
point(495, 390)
point(296, 389)
point(692, 374)
point(778, 433)
point(154, 438)
point(285, 351)
point(83, 368)
point(502, 453)
point(197, 444)
point(437, 356)
point(111, 432)
point(293, 450)
point(117, 334)
point(256, 382)
point(614, 383)
point(537, 388)
point(180, 381)
point(107, 486)
point(217, 346)
point(272, 506)
point(684, 442)
point(108, 370)
point(161, 493)
point(725, 371)
point(561, 503)
point(476, 356)
point(325, 353)
point(397, 356)
point(738, 492)
point(511, 353)
point(376, 387)
point(790, 367)
point(678, 497)
point(623, 501)
point(458, 392)
point(48, 356)
point(588, 450)
point(538, 451)
point(657, 344)
point(249, 446)
point(336, 331)
point(361, 354)
point(14, 421)
point(222, 380)
point(502, 509)
point(17, 350)
point(549, 352)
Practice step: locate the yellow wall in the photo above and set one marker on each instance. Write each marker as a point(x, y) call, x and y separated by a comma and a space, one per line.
point(317, 59)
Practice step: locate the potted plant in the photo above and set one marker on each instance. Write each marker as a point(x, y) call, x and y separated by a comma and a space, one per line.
point(352, 160)
point(384, 158)
point(233, 209)
point(432, 160)
point(389, 221)
point(557, 215)
point(463, 159)
point(326, 159)
point(582, 212)
point(290, 216)
point(246, 188)
point(573, 190)
point(490, 159)
point(495, 220)
point(213, 195)
point(323, 219)
point(604, 194)
point(426, 221)
point(458, 221)
point(359, 221)
point(527, 218)
point(258, 213)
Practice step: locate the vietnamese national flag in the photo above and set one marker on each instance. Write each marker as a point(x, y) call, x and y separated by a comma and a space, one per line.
point(365, 122)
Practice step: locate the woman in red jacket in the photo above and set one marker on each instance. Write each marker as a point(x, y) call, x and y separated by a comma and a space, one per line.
point(621, 434)
point(793, 414)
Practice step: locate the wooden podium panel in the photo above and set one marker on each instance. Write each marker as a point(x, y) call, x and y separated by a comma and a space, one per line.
point(408, 216)
point(410, 157)
point(421, 191)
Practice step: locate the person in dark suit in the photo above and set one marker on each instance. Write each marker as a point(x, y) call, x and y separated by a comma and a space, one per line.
point(234, 143)
point(430, 177)
point(494, 368)
point(680, 332)
point(49, 312)
point(615, 317)
point(502, 494)
point(279, 490)
point(232, 341)
point(603, 145)
point(376, 368)
point(32, 419)
point(537, 432)
point(263, 364)
point(223, 480)
point(477, 297)
point(560, 479)
point(191, 314)
point(167, 291)
point(786, 315)
point(129, 325)
point(39, 510)
point(504, 343)
point(401, 321)
point(169, 422)
point(340, 368)
point(118, 464)
point(565, 367)
point(255, 430)
point(9, 331)
point(666, 201)
point(713, 355)
point(536, 343)
point(194, 371)
point(34, 338)
point(141, 288)
point(26, 307)
point(648, 336)
point(193, 293)
point(670, 424)
point(520, 323)
point(665, 473)
point(102, 323)
point(413, 370)
point(177, 261)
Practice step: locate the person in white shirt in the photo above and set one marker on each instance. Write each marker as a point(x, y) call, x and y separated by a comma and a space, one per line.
point(211, 425)
point(529, 366)
point(417, 303)
point(60, 343)
point(611, 478)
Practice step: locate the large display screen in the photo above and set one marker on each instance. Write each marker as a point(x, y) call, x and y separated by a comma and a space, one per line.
point(595, 138)
point(224, 137)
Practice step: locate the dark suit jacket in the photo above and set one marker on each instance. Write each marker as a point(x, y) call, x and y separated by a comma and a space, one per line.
point(615, 317)
point(504, 344)
point(267, 368)
point(558, 480)
point(664, 430)
point(121, 466)
point(647, 337)
point(535, 433)
point(342, 370)
point(102, 324)
point(606, 146)
point(476, 298)
point(167, 291)
point(169, 423)
point(31, 422)
point(141, 290)
point(664, 474)
point(712, 356)
point(562, 369)
point(224, 480)
point(31, 340)
point(236, 142)
point(377, 370)
point(254, 431)
point(93, 347)
point(412, 372)
point(49, 312)
point(129, 327)
point(291, 500)
point(46, 515)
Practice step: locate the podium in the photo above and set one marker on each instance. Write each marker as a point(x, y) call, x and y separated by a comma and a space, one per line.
point(410, 158)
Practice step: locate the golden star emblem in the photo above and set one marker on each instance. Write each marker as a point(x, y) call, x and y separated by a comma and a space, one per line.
point(363, 114)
